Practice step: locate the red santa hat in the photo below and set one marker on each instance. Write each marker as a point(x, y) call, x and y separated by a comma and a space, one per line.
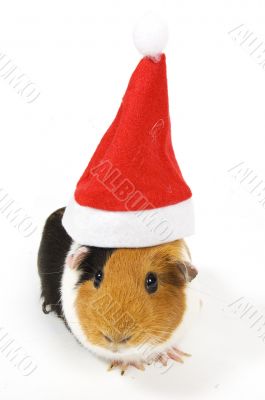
point(132, 193)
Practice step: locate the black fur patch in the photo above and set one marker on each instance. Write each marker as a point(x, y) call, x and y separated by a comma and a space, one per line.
point(54, 246)
point(94, 262)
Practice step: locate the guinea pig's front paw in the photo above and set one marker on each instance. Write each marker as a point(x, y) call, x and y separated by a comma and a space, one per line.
point(173, 354)
point(123, 366)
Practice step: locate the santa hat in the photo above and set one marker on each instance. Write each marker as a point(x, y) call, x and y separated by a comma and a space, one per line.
point(132, 193)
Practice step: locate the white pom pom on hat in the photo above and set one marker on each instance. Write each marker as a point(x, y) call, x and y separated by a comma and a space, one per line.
point(150, 35)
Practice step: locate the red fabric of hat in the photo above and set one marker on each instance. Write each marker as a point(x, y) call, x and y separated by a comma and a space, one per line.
point(134, 166)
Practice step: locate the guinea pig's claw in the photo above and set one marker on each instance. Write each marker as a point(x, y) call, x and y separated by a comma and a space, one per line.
point(124, 366)
point(176, 354)
point(181, 353)
point(139, 366)
point(118, 364)
point(163, 359)
point(112, 365)
point(171, 354)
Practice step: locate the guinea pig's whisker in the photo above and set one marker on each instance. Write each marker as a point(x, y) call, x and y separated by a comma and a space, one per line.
point(50, 273)
point(155, 333)
point(206, 293)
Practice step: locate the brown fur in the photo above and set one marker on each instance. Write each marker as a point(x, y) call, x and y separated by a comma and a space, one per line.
point(122, 308)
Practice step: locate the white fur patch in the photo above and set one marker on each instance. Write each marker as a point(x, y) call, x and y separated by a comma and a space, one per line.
point(68, 297)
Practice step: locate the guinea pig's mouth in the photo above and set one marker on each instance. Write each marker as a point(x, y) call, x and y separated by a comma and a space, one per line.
point(116, 348)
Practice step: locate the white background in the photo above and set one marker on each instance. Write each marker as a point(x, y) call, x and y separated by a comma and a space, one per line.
point(80, 55)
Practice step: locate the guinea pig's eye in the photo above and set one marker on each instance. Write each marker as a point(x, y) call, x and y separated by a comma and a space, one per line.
point(98, 278)
point(151, 282)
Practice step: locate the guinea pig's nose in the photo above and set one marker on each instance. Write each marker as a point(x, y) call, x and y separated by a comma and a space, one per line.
point(108, 338)
point(119, 340)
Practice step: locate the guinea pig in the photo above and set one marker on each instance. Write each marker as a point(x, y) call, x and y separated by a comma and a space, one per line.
point(129, 306)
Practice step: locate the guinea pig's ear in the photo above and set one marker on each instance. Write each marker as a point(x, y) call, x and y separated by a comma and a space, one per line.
point(73, 260)
point(188, 270)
